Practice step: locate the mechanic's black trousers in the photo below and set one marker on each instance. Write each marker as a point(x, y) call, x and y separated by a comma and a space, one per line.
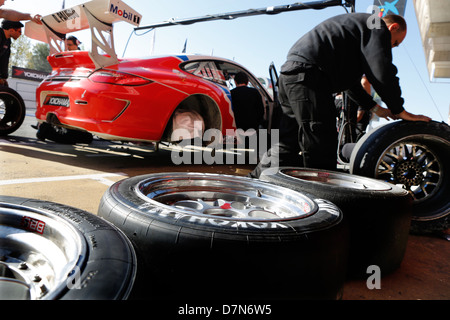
point(308, 133)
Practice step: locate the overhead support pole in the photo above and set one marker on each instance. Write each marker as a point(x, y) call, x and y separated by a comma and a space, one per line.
point(251, 12)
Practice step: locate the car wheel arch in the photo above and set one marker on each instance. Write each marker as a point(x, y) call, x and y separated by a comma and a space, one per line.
point(202, 104)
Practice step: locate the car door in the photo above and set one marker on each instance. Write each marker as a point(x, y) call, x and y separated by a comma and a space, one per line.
point(275, 115)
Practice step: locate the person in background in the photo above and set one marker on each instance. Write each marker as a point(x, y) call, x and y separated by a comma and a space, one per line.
point(9, 30)
point(72, 43)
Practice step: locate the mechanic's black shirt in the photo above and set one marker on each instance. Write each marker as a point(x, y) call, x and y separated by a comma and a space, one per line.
point(5, 52)
point(248, 107)
point(345, 49)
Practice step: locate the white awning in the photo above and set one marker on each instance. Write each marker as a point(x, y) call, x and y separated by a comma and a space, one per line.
point(433, 18)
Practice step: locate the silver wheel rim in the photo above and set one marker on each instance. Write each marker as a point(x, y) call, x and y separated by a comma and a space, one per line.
point(227, 197)
point(412, 166)
point(335, 179)
point(40, 254)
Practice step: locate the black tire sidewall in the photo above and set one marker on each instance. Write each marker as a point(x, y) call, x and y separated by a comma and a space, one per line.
point(379, 220)
point(21, 104)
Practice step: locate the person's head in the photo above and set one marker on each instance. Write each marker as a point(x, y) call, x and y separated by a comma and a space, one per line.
point(72, 43)
point(13, 29)
point(241, 78)
point(397, 26)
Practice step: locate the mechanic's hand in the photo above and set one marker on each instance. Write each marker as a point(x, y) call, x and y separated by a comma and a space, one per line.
point(405, 115)
point(37, 18)
point(359, 115)
point(383, 112)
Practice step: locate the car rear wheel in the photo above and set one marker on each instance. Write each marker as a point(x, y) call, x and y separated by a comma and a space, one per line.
point(212, 236)
point(12, 111)
point(378, 213)
point(416, 156)
point(50, 251)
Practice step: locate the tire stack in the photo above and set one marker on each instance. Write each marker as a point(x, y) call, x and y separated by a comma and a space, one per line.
point(208, 236)
point(378, 213)
point(297, 235)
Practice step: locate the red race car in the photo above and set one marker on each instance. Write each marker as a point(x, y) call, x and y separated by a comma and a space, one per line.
point(130, 99)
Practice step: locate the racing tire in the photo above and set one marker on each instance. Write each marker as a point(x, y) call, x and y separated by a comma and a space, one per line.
point(378, 213)
point(12, 110)
point(210, 236)
point(50, 251)
point(415, 155)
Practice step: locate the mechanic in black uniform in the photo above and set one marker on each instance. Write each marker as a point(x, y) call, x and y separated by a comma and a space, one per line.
point(9, 30)
point(247, 104)
point(332, 58)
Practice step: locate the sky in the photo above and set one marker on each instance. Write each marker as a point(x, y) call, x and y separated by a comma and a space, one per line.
point(256, 41)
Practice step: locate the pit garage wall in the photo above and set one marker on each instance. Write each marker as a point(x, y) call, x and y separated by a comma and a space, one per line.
point(25, 82)
point(433, 17)
point(27, 89)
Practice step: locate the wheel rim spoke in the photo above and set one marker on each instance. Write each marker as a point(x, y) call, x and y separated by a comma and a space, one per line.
point(412, 166)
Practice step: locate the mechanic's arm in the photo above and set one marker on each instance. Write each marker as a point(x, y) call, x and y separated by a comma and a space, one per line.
point(405, 115)
point(358, 94)
point(383, 112)
point(14, 15)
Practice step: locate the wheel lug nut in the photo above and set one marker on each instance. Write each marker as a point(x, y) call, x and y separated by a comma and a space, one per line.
point(44, 289)
point(23, 266)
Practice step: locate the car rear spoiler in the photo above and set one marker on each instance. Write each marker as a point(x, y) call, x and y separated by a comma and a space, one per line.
point(96, 15)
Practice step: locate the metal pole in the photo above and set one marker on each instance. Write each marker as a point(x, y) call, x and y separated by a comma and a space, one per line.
point(251, 12)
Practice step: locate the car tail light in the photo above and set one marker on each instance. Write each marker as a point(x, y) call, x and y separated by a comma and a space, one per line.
point(118, 78)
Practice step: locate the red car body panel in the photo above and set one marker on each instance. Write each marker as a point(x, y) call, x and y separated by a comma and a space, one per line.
point(140, 108)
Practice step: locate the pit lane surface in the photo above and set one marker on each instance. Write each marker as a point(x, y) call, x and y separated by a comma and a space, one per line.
point(79, 175)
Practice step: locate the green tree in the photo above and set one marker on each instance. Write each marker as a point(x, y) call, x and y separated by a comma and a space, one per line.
point(26, 55)
point(39, 58)
point(21, 52)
